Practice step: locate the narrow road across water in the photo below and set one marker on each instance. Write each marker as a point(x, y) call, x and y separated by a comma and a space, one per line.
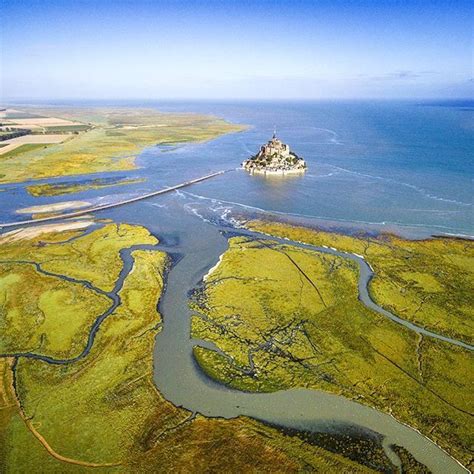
point(112, 205)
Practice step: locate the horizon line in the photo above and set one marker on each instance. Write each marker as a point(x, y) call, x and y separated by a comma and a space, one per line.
point(6, 101)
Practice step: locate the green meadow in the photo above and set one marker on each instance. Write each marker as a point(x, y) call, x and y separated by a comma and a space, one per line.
point(103, 413)
point(287, 317)
point(112, 142)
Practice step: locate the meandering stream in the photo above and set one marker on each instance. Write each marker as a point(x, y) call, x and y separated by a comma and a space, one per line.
point(196, 245)
point(181, 381)
point(113, 296)
point(372, 178)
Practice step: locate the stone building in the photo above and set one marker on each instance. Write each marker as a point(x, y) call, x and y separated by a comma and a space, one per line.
point(275, 157)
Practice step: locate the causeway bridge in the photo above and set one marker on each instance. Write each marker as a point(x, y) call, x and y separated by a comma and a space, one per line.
point(89, 210)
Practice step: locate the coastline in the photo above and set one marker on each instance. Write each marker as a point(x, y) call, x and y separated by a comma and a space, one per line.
point(159, 217)
point(110, 144)
point(168, 320)
point(275, 172)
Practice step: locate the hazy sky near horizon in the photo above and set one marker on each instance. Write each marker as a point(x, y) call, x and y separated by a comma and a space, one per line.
point(236, 49)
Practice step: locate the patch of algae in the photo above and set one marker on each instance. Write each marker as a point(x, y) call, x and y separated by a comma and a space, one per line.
point(112, 144)
point(288, 317)
point(103, 413)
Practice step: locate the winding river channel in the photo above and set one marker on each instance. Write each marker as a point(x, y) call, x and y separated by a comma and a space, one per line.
point(180, 380)
point(195, 244)
point(359, 176)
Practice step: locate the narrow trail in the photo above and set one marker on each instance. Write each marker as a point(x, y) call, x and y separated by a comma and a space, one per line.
point(30, 425)
point(114, 296)
point(366, 273)
point(235, 403)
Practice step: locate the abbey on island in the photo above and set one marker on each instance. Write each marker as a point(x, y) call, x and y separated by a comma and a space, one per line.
point(275, 157)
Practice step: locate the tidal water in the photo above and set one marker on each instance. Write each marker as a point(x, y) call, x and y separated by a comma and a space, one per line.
point(403, 167)
point(195, 240)
point(398, 167)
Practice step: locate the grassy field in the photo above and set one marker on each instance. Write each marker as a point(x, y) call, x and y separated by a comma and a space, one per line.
point(49, 315)
point(116, 138)
point(28, 147)
point(428, 282)
point(287, 317)
point(47, 189)
point(67, 128)
point(103, 413)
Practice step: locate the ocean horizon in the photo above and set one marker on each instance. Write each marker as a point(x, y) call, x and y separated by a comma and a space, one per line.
point(388, 164)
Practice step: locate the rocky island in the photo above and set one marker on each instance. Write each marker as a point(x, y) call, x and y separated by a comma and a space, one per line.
point(275, 158)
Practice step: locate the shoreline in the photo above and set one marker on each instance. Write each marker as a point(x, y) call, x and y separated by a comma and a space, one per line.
point(53, 207)
point(317, 393)
point(354, 227)
point(111, 144)
point(275, 172)
point(112, 205)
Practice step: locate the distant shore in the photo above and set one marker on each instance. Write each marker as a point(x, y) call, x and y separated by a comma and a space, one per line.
point(114, 139)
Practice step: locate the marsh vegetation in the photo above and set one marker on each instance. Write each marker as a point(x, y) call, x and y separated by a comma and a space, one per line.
point(111, 143)
point(99, 409)
point(286, 317)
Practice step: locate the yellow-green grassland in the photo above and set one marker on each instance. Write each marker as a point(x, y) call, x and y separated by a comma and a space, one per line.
point(102, 412)
point(428, 282)
point(58, 189)
point(114, 139)
point(290, 317)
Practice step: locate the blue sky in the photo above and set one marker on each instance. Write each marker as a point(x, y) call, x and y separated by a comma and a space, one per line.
point(236, 49)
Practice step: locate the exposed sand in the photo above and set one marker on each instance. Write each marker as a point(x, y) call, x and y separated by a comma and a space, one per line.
point(214, 268)
point(59, 206)
point(27, 233)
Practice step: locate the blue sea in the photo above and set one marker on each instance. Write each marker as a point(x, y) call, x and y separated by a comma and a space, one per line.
point(386, 165)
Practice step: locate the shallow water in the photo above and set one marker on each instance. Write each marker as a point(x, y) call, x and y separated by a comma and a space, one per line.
point(396, 167)
point(196, 243)
point(391, 164)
